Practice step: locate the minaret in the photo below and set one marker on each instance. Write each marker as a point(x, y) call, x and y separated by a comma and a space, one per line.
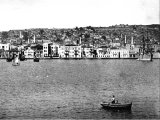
point(80, 40)
point(20, 34)
point(125, 40)
point(121, 35)
point(34, 39)
point(28, 40)
point(132, 43)
point(132, 40)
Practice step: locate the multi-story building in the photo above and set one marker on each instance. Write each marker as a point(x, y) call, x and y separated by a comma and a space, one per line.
point(51, 50)
point(45, 49)
point(55, 49)
point(119, 53)
point(5, 46)
point(124, 53)
point(103, 52)
point(29, 53)
point(87, 52)
point(3, 49)
point(114, 53)
point(70, 51)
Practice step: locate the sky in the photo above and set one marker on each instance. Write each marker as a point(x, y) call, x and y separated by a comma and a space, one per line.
point(26, 14)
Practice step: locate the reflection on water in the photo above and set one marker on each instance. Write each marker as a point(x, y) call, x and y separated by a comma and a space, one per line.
point(74, 89)
point(119, 114)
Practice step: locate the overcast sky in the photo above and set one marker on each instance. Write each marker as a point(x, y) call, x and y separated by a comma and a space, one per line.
point(24, 14)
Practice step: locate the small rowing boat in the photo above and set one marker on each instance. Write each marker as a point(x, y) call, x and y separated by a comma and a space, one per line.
point(119, 106)
point(36, 59)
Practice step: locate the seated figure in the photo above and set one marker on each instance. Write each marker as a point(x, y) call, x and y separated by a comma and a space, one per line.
point(113, 100)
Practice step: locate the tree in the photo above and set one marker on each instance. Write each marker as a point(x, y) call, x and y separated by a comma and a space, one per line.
point(41, 32)
point(4, 36)
point(25, 36)
point(104, 37)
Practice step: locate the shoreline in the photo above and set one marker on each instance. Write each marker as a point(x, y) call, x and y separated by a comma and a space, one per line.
point(78, 58)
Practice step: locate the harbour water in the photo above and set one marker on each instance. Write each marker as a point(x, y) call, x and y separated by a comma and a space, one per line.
point(74, 89)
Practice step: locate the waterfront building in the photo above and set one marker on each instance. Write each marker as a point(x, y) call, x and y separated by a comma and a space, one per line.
point(124, 53)
point(29, 53)
point(47, 50)
point(3, 49)
point(70, 51)
point(55, 50)
point(103, 52)
point(114, 53)
point(134, 51)
point(5, 46)
point(87, 52)
point(119, 53)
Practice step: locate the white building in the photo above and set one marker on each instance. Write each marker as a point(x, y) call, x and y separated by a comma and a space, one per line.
point(103, 52)
point(55, 49)
point(45, 49)
point(114, 53)
point(70, 51)
point(119, 53)
point(51, 49)
point(124, 53)
point(29, 53)
point(86, 52)
point(5, 46)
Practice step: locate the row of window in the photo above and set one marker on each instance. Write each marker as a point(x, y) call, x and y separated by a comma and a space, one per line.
point(71, 56)
point(45, 51)
point(71, 48)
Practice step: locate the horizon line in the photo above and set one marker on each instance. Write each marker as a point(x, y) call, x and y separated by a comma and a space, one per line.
point(76, 26)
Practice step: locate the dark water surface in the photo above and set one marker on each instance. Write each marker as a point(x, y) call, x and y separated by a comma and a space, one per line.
point(74, 89)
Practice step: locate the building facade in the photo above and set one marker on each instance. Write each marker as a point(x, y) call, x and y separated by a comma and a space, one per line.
point(29, 53)
point(55, 50)
point(87, 52)
point(5, 46)
point(103, 52)
point(70, 51)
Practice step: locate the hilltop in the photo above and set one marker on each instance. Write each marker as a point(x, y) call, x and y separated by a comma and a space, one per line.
point(88, 35)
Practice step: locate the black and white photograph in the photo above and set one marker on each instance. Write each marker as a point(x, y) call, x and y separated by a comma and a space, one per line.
point(79, 59)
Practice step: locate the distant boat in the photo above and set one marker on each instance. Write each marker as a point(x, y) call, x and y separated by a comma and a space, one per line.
point(9, 59)
point(36, 59)
point(16, 61)
point(22, 57)
point(117, 106)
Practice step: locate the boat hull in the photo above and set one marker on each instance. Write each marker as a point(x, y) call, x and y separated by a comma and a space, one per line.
point(117, 106)
point(9, 59)
point(15, 64)
point(36, 59)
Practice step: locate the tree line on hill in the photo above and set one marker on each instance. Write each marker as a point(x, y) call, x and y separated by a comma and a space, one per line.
point(89, 34)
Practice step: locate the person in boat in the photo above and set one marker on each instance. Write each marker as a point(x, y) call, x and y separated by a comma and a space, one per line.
point(113, 100)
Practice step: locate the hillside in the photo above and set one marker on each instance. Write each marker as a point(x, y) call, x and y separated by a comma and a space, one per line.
point(89, 35)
